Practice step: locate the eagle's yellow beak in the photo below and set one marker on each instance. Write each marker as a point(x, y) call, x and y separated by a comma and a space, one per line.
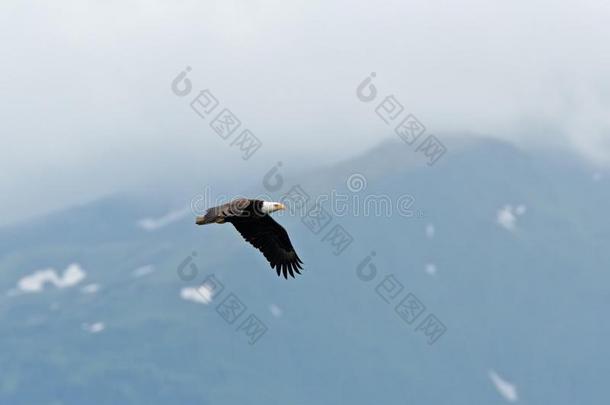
point(280, 206)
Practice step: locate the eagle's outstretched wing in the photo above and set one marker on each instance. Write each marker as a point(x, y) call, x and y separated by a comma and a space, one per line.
point(272, 240)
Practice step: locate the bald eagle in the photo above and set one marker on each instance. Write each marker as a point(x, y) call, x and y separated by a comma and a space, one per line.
point(251, 219)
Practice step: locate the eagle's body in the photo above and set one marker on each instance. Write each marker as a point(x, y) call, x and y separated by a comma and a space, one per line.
point(251, 219)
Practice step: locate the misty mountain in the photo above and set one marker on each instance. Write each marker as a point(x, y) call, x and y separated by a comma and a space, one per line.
point(507, 249)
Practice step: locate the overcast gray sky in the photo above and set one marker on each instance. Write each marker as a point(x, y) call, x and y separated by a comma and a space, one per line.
point(87, 107)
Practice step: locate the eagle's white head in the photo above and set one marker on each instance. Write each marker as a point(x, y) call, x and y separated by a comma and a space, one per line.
point(270, 206)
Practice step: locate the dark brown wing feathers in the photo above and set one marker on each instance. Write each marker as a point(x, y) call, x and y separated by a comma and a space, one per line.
point(260, 230)
point(272, 240)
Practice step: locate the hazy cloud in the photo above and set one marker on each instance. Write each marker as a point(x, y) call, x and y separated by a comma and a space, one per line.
point(88, 110)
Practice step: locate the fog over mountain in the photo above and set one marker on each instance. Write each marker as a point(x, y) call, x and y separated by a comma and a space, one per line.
point(88, 108)
point(115, 300)
point(445, 165)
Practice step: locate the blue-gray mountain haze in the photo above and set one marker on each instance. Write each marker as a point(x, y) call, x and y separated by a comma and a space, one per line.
point(526, 301)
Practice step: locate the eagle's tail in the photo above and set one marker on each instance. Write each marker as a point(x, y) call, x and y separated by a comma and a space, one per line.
point(212, 216)
point(202, 220)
